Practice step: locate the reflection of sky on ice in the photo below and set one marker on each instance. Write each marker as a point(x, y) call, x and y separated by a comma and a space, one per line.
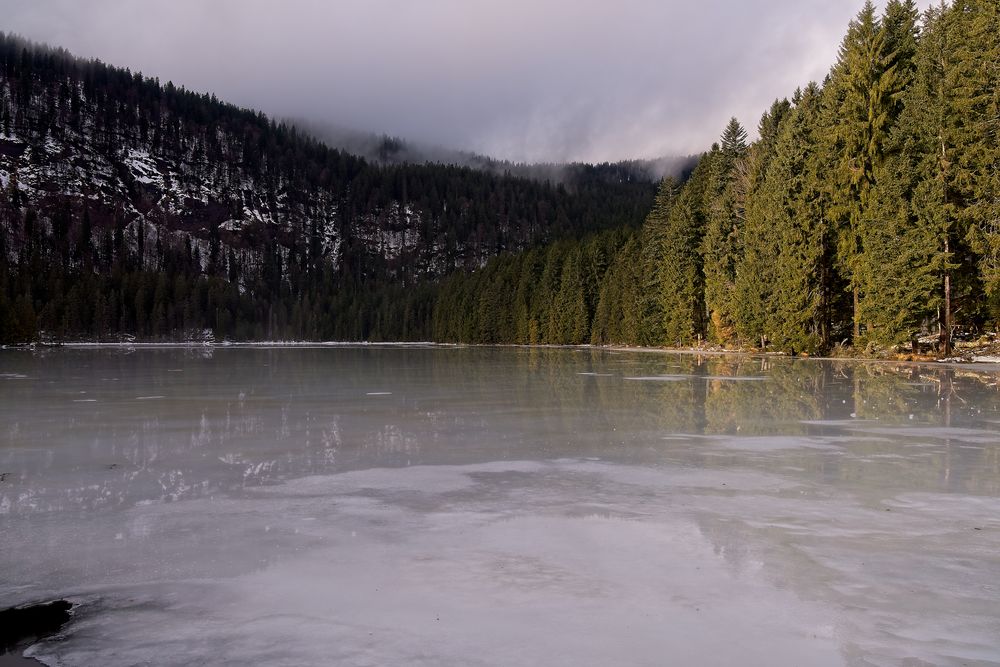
point(478, 506)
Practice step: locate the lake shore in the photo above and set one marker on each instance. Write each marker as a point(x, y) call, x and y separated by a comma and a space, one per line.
point(977, 355)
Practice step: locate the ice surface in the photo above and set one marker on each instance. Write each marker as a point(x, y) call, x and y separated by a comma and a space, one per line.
point(497, 507)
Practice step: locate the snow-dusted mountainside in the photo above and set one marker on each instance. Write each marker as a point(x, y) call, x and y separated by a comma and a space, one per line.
point(170, 168)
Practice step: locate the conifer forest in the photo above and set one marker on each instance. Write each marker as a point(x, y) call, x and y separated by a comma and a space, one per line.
point(865, 215)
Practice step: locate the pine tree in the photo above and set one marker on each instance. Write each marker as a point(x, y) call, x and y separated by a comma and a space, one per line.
point(867, 82)
point(572, 327)
point(524, 295)
point(785, 281)
point(911, 261)
point(891, 275)
point(618, 312)
point(977, 158)
point(901, 34)
point(752, 285)
point(545, 313)
point(768, 130)
point(726, 212)
point(655, 244)
point(682, 295)
point(901, 266)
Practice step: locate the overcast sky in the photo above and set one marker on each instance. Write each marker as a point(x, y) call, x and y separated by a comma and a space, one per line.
point(530, 80)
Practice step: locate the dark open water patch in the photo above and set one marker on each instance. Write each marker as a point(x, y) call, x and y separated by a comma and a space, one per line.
point(20, 627)
point(16, 660)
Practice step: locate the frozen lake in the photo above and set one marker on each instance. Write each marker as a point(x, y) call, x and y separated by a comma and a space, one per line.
point(457, 506)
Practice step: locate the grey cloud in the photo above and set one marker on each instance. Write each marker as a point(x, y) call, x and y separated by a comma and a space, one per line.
point(523, 80)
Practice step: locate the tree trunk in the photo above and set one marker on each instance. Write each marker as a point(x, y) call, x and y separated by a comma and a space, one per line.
point(945, 340)
point(945, 343)
point(857, 316)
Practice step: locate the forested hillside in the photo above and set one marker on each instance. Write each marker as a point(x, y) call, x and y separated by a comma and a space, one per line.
point(131, 207)
point(867, 213)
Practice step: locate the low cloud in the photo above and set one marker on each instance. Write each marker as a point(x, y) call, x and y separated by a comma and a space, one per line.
point(521, 80)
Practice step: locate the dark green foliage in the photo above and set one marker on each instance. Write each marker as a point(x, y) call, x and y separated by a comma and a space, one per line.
point(619, 315)
point(976, 158)
point(552, 295)
point(869, 203)
point(682, 278)
point(650, 265)
point(721, 246)
point(784, 282)
point(867, 211)
point(863, 100)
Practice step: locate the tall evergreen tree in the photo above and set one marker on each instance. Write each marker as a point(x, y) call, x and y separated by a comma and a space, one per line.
point(619, 314)
point(655, 246)
point(891, 274)
point(682, 295)
point(977, 159)
point(721, 244)
point(867, 82)
point(752, 286)
point(572, 324)
point(785, 282)
point(918, 198)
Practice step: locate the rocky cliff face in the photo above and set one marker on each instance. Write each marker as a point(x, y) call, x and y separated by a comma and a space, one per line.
point(197, 188)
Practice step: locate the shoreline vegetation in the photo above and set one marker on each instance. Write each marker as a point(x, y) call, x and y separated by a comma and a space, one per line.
point(862, 221)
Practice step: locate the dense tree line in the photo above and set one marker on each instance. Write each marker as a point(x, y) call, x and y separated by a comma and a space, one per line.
point(867, 212)
point(69, 283)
